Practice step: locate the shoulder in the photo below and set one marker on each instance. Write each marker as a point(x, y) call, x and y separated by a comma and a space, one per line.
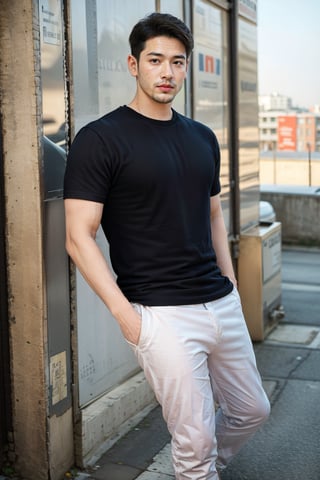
point(102, 131)
point(195, 125)
point(198, 129)
point(106, 123)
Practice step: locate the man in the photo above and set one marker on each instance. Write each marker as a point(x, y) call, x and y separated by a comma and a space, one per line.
point(151, 178)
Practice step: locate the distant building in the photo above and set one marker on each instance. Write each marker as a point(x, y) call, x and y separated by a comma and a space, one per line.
point(275, 101)
point(285, 128)
point(308, 137)
point(268, 129)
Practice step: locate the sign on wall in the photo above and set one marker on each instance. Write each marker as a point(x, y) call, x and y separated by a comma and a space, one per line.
point(208, 65)
point(248, 9)
point(50, 21)
point(287, 133)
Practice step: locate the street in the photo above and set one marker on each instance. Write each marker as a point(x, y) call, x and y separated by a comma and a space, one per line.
point(288, 446)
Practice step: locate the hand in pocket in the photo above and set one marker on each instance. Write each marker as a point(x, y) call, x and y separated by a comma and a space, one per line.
point(131, 328)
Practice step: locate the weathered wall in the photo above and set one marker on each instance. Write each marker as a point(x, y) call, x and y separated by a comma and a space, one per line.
point(20, 118)
point(299, 214)
point(290, 171)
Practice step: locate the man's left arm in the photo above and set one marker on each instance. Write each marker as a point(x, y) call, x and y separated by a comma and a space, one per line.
point(220, 239)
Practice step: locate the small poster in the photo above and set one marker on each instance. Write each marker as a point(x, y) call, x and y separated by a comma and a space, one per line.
point(58, 377)
point(50, 21)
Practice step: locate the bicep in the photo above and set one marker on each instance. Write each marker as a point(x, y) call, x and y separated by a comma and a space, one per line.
point(83, 217)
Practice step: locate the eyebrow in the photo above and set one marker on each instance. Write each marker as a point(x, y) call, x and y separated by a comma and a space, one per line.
point(157, 54)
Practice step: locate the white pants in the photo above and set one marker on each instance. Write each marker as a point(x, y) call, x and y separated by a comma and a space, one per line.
point(194, 356)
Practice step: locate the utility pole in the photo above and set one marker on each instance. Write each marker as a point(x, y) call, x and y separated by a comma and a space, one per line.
point(309, 162)
point(274, 162)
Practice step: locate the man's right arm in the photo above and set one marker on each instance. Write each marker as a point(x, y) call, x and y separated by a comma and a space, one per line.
point(82, 222)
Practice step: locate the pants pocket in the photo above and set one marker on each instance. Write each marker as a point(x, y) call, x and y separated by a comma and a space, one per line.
point(140, 310)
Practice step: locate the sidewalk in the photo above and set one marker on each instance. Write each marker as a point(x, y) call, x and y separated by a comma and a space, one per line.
point(288, 446)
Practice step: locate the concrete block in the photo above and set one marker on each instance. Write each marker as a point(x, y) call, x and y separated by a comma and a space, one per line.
point(297, 213)
point(107, 419)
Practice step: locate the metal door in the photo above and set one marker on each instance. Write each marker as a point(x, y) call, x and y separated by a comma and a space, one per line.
point(54, 157)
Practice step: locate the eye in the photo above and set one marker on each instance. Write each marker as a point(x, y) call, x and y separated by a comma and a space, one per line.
point(180, 63)
point(154, 61)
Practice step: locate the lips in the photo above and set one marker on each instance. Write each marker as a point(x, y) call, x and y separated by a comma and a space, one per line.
point(165, 88)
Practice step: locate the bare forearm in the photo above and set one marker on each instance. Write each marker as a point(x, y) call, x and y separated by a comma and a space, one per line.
point(82, 222)
point(221, 247)
point(91, 263)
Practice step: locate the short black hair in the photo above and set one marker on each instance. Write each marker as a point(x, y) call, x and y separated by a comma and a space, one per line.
point(156, 25)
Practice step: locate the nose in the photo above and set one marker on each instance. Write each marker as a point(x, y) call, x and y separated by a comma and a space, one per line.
point(166, 71)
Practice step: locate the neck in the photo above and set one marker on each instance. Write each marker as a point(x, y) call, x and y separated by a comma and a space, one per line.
point(157, 111)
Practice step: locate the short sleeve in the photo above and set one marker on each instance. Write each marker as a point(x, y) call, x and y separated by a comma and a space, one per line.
point(88, 171)
point(216, 187)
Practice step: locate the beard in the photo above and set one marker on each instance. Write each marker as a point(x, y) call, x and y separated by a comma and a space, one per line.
point(163, 98)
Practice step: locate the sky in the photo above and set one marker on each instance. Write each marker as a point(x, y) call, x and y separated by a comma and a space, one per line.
point(288, 49)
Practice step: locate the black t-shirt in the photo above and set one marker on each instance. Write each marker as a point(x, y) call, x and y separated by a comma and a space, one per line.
point(155, 179)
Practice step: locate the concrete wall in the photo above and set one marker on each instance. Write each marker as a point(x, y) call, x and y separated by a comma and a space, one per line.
point(290, 171)
point(43, 444)
point(298, 210)
point(20, 115)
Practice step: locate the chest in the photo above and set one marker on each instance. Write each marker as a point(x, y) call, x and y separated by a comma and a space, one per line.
point(159, 162)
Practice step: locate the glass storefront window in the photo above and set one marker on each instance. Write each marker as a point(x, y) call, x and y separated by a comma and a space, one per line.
point(210, 82)
point(100, 30)
point(248, 125)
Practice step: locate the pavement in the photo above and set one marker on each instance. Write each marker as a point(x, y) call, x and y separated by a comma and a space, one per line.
point(287, 447)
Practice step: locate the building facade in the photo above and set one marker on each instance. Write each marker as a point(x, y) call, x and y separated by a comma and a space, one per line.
point(69, 384)
point(275, 101)
point(289, 131)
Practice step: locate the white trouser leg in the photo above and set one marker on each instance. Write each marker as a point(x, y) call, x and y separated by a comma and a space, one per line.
point(174, 359)
point(176, 347)
point(237, 387)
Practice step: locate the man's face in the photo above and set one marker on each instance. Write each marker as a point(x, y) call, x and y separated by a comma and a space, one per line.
point(161, 69)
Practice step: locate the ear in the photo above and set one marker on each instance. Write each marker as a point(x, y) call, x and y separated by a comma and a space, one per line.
point(133, 65)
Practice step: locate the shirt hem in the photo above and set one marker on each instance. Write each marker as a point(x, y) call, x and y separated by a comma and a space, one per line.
point(178, 301)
